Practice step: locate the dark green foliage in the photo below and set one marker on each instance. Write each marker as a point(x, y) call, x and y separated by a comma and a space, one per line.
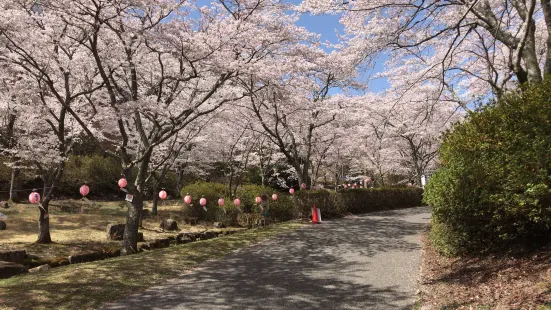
point(356, 201)
point(280, 210)
point(212, 192)
point(332, 204)
point(492, 192)
point(379, 199)
point(100, 173)
point(329, 203)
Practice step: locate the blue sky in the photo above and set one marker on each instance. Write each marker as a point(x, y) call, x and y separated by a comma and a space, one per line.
point(328, 26)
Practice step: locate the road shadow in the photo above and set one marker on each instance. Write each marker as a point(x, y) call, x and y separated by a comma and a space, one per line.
point(318, 267)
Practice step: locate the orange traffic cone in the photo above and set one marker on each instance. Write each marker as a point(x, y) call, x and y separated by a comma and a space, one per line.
point(315, 217)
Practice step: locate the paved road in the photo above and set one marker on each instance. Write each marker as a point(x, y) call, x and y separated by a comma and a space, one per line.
point(360, 262)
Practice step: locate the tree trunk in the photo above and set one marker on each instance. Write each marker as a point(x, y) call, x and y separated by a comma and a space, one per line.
point(44, 223)
point(546, 8)
point(155, 201)
point(381, 177)
point(179, 183)
point(130, 239)
point(530, 57)
point(262, 174)
point(13, 182)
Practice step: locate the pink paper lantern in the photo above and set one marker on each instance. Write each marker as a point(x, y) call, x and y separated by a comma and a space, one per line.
point(303, 185)
point(187, 199)
point(258, 199)
point(84, 190)
point(122, 183)
point(274, 197)
point(221, 201)
point(292, 191)
point(203, 201)
point(410, 185)
point(162, 194)
point(237, 202)
point(34, 198)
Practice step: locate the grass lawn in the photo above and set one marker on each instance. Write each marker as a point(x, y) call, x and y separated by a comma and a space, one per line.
point(89, 285)
point(75, 232)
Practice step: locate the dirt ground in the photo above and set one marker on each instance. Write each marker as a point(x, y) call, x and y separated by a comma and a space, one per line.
point(491, 282)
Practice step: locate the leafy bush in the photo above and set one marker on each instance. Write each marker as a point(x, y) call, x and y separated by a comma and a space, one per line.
point(100, 173)
point(281, 209)
point(492, 192)
point(211, 192)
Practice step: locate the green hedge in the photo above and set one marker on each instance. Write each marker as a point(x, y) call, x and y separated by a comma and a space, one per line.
point(493, 191)
point(332, 204)
point(329, 203)
point(356, 201)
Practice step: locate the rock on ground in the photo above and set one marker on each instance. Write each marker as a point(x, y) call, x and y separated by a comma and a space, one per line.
point(219, 225)
point(8, 269)
point(115, 231)
point(169, 224)
point(40, 268)
point(17, 256)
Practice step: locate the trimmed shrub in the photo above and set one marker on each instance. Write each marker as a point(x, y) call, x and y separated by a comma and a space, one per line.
point(379, 199)
point(332, 204)
point(212, 192)
point(356, 201)
point(492, 192)
point(280, 210)
point(328, 202)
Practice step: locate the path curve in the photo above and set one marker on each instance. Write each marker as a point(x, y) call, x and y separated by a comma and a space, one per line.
point(359, 262)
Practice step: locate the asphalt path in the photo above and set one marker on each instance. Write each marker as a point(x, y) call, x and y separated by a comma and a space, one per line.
point(359, 262)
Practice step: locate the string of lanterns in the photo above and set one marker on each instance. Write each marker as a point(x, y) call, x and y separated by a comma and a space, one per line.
point(84, 190)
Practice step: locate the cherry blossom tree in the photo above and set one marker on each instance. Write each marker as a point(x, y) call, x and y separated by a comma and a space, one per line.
point(163, 71)
point(469, 49)
point(267, 157)
point(398, 137)
point(171, 155)
point(233, 146)
point(8, 135)
point(146, 69)
point(42, 57)
point(293, 110)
